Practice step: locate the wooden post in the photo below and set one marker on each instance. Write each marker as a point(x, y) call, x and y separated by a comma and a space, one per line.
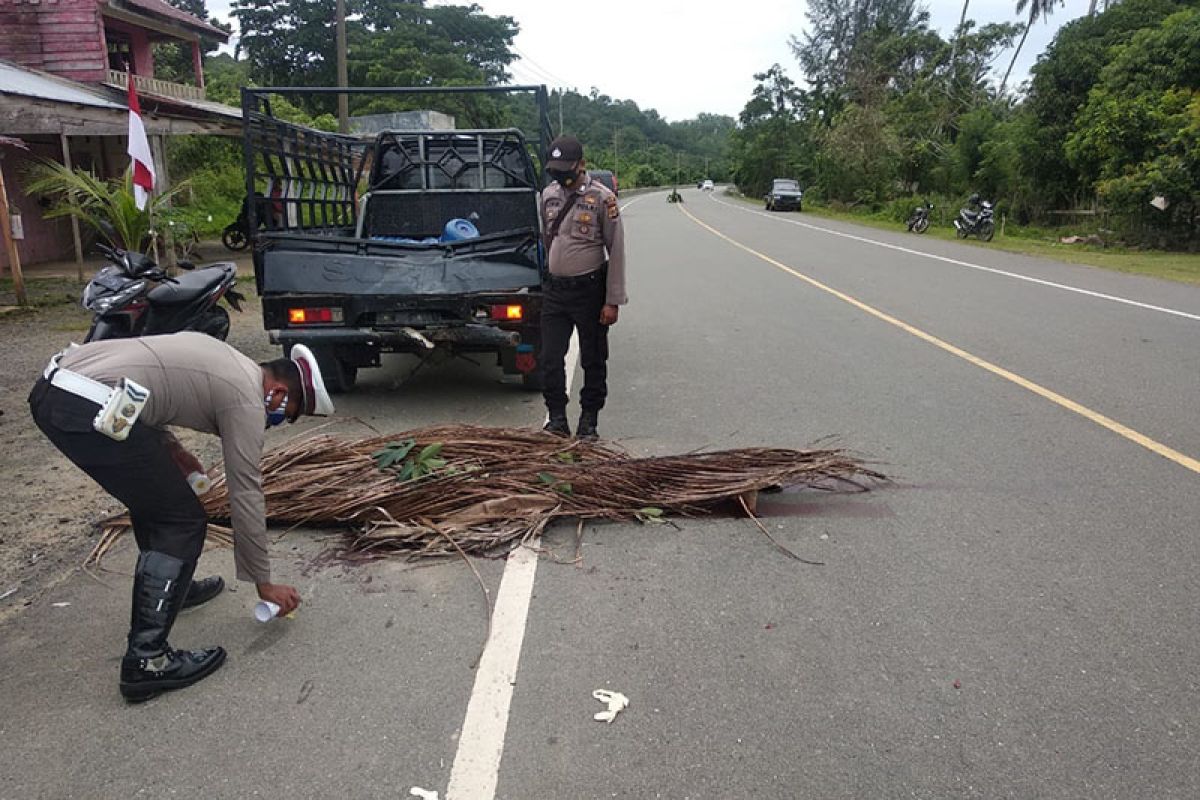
point(66, 152)
point(162, 185)
point(14, 258)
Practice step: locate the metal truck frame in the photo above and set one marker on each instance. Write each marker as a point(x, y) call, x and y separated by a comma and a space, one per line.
point(351, 252)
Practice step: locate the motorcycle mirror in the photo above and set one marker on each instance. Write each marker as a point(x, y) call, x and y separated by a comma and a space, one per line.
point(185, 265)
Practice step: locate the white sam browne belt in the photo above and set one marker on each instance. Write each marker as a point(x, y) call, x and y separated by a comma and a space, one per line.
point(120, 406)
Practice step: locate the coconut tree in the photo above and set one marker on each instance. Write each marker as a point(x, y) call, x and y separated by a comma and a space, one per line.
point(106, 205)
point(1038, 9)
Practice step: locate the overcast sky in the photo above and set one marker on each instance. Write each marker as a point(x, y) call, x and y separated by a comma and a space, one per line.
point(683, 58)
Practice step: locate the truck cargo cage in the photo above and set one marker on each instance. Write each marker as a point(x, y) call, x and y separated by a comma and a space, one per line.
point(309, 181)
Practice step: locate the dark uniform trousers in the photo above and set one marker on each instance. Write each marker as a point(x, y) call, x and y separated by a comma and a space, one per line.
point(140, 472)
point(568, 304)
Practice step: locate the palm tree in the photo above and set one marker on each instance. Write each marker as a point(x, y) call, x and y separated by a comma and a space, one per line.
point(106, 205)
point(1037, 9)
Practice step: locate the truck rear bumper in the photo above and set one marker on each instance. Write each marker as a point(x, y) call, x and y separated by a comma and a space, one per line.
point(402, 339)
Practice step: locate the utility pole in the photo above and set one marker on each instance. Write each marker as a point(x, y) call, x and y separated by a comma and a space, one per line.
point(560, 99)
point(342, 76)
point(706, 172)
point(677, 168)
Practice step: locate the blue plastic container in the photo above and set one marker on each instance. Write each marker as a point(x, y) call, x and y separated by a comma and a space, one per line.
point(458, 229)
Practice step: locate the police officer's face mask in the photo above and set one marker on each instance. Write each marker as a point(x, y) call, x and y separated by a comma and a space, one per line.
point(279, 415)
point(564, 177)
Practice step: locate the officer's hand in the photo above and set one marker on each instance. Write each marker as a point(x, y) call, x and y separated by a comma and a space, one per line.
point(187, 462)
point(608, 315)
point(286, 597)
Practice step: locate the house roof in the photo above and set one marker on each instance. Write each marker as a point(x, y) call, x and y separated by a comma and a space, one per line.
point(33, 83)
point(163, 9)
point(29, 102)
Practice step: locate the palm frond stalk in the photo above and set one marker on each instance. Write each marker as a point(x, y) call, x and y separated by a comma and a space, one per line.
point(485, 489)
point(108, 206)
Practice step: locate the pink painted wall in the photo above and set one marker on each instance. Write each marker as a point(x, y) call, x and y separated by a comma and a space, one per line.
point(65, 37)
point(50, 239)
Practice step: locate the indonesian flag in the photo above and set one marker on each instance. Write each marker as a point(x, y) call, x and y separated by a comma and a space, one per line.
point(139, 151)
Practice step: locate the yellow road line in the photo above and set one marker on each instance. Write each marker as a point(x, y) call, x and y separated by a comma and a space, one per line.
point(1105, 422)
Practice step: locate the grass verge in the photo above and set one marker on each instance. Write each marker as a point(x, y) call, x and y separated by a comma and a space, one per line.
point(1180, 267)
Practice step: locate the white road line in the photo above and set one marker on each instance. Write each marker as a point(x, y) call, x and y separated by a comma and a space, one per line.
point(476, 766)
point(634, 200)
point(969, 265)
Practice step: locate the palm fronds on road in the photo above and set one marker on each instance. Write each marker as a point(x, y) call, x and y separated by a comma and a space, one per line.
point(433, 491)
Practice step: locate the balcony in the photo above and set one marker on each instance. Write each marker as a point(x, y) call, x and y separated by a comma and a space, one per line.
point(180, 91)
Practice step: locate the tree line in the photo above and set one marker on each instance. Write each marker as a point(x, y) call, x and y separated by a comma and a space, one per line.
point(889, 111)
point(892, 112)
point(410, 43)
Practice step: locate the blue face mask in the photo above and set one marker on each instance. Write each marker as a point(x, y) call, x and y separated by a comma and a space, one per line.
point(279, 415)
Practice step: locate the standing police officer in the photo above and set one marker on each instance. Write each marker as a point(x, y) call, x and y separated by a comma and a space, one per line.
point(106, 406)
point(585, 247)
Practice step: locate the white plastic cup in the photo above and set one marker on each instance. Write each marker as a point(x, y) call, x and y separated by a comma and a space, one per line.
point(265, 611)
point(199, 482)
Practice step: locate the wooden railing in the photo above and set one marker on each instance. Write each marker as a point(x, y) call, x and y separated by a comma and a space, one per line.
point(161, 88)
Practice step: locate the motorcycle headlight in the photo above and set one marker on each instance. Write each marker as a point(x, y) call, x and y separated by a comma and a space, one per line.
point(102, 300)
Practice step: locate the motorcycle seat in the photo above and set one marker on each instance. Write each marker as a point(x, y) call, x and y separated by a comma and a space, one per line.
point(190, 286)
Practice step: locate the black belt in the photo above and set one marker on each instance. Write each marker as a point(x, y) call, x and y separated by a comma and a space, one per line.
point(571, 281)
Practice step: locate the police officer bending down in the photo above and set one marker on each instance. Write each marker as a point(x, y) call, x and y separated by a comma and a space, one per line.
point(585, 247)
point(106, 406)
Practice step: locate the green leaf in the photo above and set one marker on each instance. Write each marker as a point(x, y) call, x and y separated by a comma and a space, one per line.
point(407, 472)
point(566, 456)
point(435, 463)
point(430, 451)
point(650, 511)
point(547, 478)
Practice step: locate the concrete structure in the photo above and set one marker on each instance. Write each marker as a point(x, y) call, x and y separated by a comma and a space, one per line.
point(402, 121)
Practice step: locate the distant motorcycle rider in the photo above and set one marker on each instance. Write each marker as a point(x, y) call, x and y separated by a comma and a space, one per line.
point(974, 205)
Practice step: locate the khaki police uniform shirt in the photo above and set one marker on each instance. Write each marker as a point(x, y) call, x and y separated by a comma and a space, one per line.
point(200, 383)
point(591, 235)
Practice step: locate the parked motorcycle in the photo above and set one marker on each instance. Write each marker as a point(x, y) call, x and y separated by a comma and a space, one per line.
point(978, 223)
point(132, 296)
point(919, 221)
point(236, 235)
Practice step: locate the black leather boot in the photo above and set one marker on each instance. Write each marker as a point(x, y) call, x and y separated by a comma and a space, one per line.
point(201, 591)
point(150, 667)
point(557, 424)
point(587, 425)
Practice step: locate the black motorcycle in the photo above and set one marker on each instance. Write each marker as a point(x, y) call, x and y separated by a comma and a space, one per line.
point(132, 296)
point(978, 223)
point(919, 221)
point(236, 235)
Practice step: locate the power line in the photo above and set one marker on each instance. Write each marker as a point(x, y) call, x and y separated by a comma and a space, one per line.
point(553, 77)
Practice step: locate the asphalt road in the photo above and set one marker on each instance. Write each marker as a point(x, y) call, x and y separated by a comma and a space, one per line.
point(1014, 617)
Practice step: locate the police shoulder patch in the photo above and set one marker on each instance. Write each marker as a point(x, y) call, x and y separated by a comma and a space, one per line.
point(614, 210)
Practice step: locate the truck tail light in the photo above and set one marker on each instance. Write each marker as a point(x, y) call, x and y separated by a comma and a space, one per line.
point(309, 316)
point(508, 313)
